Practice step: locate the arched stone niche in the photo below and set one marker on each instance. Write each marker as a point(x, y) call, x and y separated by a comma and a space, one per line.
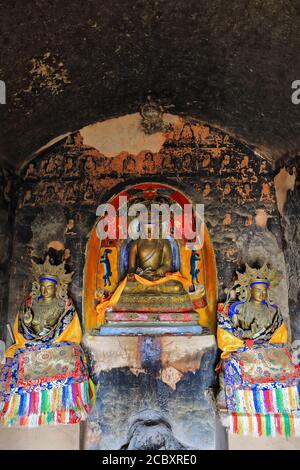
point(117, 247)
point(61, 187)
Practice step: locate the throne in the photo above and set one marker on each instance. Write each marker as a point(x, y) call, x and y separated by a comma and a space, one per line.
point(166, 304)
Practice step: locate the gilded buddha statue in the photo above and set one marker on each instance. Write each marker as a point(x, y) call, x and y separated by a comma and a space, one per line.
point(45, 309)
point(152, 259)
point(150, 266)
point(154, 281)
point(166, 277)
point(254, 316)
point(49, 365)
point(258, 378)
point(152, 288)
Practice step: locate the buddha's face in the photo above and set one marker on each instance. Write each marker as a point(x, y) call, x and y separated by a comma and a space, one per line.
point(151, 231)
point(48, 290)
point(259, 292)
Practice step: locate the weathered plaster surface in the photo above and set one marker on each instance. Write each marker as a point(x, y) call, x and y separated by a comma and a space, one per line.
point(6, 236)
point(284, 182)
point(178, 355)
point(124, 134)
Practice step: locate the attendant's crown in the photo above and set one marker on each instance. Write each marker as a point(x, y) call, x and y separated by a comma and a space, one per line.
point(48, 277)
point(48, 271)
point(260, 280)
point(251, 276)
point(263, 275)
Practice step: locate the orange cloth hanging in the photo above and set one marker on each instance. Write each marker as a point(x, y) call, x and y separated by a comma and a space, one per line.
point(228, 343)
point(72, 333)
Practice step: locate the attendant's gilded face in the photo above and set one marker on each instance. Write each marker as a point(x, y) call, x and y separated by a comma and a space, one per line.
point(48, 290)
point(259, 292)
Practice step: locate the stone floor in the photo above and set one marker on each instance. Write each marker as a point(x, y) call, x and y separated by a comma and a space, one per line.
point(262, 443)
point(67, 438)
point(63, 437)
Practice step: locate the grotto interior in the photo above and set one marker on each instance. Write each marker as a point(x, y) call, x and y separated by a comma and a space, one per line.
point(149, 102)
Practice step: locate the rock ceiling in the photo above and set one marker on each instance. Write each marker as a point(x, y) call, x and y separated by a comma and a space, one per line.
point(69, 64)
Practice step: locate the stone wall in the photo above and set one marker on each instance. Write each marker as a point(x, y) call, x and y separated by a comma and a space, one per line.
point(161, 389)
point(62, 187)
point(287, 183)
point(6, 231)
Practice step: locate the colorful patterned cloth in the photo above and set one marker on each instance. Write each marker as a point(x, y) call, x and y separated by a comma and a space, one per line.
point(45, 378)
point(43, 384)
point(262, 380)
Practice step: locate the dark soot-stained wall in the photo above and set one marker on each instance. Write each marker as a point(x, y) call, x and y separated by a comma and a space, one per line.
point(291, 237)
point(6, 229)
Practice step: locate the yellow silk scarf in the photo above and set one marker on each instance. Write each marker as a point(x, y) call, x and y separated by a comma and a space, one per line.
point(228, 343)
point(72, 333)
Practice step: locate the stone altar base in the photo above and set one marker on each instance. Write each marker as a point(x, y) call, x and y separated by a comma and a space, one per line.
point(153, 392)
point(150, 324)
point(131, 329)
